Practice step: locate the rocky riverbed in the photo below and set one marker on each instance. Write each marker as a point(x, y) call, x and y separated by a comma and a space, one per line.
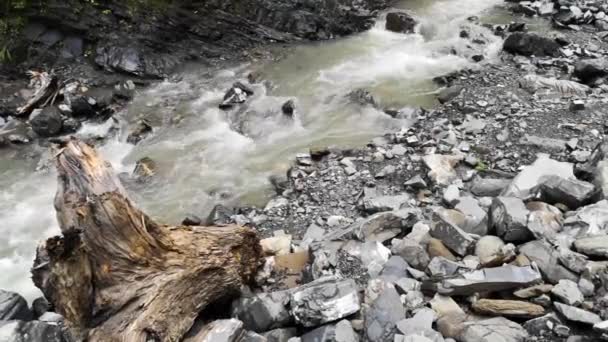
point(483, 220)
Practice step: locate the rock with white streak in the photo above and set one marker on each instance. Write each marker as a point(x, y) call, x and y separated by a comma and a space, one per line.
point(324, 300)
point(531, 176)
point(441, 167)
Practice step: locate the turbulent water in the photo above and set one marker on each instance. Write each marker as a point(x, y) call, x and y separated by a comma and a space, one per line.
point(207, 156)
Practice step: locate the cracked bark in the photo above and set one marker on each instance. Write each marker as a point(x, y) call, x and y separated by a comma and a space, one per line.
point(117, 275)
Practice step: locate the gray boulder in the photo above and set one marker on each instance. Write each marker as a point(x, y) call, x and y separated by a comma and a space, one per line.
point(449, 93)
point(567, 291)
point(476, 219)
point(527, 44)
point(339, 332)
point(547, 260)
point(450, 234)
point(13, 307)
point(591, 220)
point(509, 217)
point(412, 252)
point(572, 192)
point(263, 312)
point(386, 225)
point(493, 330)
point(489, 187)
point(400, 22)
point(382, 316)
point(489, 280)
point(394, 269)
point(531, 176)
point(574, 314)
point(593, 246)
point(46, 122)
point(589, 70)
point(324, 300)
point(278, 335)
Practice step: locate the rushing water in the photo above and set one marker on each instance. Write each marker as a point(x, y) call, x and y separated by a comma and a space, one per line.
point(206, 156)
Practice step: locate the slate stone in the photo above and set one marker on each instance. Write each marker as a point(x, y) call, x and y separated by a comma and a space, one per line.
point(386, 225)
point(493, 330)
point(263, 312)
point(567, 291)
point(382, 316)
point(279, 335)
point(531, 175)
point(509, 217)
point(574, 314)
point(452, 236)
point(590, 220)
point(340, 332)
point(412, 252)
point(394, 269)
point(572, 192)
point(489, 187)
point(385, 203)
point(489, 280)
point(324, 300)
point(593, 246)
point(476, 219)
point(547, 260)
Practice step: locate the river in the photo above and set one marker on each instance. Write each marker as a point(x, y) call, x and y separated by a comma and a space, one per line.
point(206, 156)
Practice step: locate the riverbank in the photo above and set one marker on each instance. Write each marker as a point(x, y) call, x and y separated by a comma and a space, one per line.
point(417, 212)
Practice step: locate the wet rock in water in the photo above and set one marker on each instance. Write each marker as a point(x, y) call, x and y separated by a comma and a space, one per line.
point(400, 22)
point(567, 291)
point(13, 307)
point(289, 108)
point(574, 314)
point(382, 316)
point(141, 131)
point(490, 280)
point(546, 258)
point(264, 311)
point(46, 122)
point(339, 332)
point(444, 229)
point(134, 60)
point(509, 308)
point(509, 217)
point(219, 215)
point(324, 300)
point(572, 192)
point(492, 330)
point(531, 176)
point(145, 168)
point(237, 94)
point(448, 94)
point(33, 331)
point(589, 70)
point(362, 97)
point(386, 225)
point(528, 44)
point(488, 186)
point(593, 246)
point(441, 167)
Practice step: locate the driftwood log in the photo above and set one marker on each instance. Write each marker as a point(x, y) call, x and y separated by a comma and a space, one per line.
point(117, 275)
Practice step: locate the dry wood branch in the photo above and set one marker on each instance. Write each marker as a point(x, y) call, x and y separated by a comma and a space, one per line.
point(116, 274)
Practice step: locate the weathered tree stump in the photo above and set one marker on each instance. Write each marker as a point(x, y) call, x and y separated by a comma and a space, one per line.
point(117, 275)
